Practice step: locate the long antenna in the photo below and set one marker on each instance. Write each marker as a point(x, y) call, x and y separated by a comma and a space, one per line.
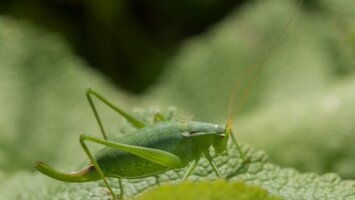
point(261, 66)
point(234, 92)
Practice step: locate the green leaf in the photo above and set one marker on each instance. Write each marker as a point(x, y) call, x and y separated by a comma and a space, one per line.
point(284, 182)
point(208, 190)
point(310, 134)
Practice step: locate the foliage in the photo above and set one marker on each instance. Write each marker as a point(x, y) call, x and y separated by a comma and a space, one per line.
point(127, 40)
point(42, 89)
point(300, 110)
point(287, 183)
point(302, 101)
point(208, 190)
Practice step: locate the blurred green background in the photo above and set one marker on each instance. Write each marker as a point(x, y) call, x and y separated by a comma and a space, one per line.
point(185, 54)
point(128, 41)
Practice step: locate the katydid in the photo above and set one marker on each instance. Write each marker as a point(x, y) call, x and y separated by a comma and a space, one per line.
point(151, 150)
point(156, 148)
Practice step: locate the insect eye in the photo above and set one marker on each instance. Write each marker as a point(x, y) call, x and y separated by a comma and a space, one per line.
point(222, 135)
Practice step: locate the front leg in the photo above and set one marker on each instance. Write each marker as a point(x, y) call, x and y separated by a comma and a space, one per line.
point(190, 170)
point(210, 160)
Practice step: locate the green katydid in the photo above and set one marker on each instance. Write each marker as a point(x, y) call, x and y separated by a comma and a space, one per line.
point(156, 148)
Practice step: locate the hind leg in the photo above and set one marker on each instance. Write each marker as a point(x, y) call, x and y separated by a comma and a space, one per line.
point(101, 174)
